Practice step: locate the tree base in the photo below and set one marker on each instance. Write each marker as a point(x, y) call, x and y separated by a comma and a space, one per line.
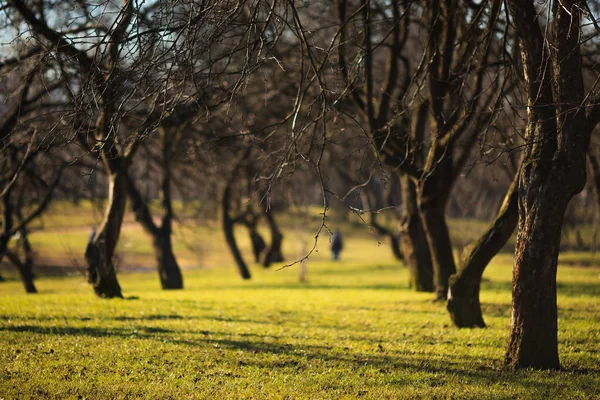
point(465, 312)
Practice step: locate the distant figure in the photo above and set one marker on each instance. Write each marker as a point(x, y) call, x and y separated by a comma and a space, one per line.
point(336, 244)
point(92, 235)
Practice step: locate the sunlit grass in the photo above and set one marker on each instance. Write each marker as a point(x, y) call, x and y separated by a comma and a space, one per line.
point(354, 330)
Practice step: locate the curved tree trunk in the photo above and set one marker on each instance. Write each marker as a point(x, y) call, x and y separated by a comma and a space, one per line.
point(168, 269)
point(415, 252)
point(228, 226)
point(463, 295)
point(273, 252)
point(100, 250)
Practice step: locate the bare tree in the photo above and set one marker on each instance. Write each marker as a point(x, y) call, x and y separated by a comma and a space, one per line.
point(560, 119)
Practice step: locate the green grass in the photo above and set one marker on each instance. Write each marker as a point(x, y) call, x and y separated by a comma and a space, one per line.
point(354, 330)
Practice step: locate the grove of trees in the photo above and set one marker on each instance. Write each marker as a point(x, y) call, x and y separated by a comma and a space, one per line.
point(256, 105)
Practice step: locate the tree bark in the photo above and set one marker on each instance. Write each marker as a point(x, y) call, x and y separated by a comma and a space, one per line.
point(553, 171)
point(100, 250)
point(463, 294)
point(228, 229)
point(273, 252)
point(533, 338)
point(415, 249)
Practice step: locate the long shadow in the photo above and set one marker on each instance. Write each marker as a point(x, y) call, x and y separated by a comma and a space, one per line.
point(151, 317)
point(471, 369)
point(566, 289)
point(310, 286)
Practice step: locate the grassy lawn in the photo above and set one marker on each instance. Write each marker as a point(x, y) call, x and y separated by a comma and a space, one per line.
point(354, 330)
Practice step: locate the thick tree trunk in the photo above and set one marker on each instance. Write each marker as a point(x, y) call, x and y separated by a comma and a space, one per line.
point(557, 137)
point(100, 250)
point(533, 338)
point(168, 268)
point(273, 252)
point(415, 250)
point(228, 226)
point(463, 295)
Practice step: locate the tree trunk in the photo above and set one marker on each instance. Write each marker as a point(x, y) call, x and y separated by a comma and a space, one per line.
point(553, 171)
point(101, 248)
point(168, 268)
point(228, 226)
point(415, 250)
point(533, 338)
point(258, 244)
point(432, 197)
point(25, 270)
point(438, 238)
point(463, 295)
point(273, 253)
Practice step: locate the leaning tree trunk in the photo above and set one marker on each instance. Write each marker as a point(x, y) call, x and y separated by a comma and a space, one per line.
point(228, 229)
point(463, 295)
point(273, 252)
point(168, 269)
point(101, 249)
point(415, 250)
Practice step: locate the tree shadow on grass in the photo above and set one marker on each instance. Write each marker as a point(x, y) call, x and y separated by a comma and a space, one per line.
point(397, 365)
point(570, 289)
